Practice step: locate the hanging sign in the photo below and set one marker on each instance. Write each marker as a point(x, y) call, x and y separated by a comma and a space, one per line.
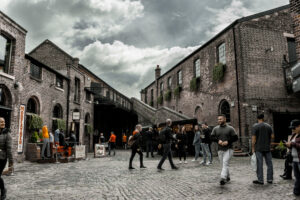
point(21, 129)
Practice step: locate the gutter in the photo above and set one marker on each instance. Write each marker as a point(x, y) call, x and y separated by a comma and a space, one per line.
point(237, 82)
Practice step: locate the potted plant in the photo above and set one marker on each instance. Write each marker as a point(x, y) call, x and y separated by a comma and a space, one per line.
point(177, 91)
point(281, 149)
point(160, 100)
point(218, 72)
point(168, 95)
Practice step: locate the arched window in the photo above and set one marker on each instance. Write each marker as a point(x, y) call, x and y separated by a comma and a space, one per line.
point(224, 109)
point(87, 118)
point(58, 111)
point(5, 96)
point(197, 113)
point(33, 106)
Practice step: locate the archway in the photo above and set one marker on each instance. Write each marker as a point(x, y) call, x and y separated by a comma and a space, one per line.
point(33, 105)
point(224, 108)
point(57, 111)
point(5, 104)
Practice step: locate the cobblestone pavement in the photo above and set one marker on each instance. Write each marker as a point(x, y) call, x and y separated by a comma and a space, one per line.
point(109, 178)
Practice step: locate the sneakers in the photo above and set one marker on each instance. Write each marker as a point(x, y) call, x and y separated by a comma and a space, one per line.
point(257, 182)
point(174, 167)
point(159, 168)
point(208, 163)
point(270, 182)
point(131, 168)
point(185, 162)
point(143, 166)
point(228, 179)
point(202, 162)
point(194, 160)
point(180, 162)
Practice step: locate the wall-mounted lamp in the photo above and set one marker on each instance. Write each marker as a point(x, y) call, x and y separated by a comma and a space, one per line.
point(271, 49)
point(16, 85)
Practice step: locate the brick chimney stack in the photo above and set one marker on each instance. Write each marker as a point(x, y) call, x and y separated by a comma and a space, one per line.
point(157, 72)
point(295, 11)
point(75, 62)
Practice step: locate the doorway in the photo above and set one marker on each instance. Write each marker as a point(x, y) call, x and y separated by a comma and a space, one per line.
point(281, 123)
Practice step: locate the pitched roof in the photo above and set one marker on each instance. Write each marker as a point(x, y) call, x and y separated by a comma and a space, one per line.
point(23, 29)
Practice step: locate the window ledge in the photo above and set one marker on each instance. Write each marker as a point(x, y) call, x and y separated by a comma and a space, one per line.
point(36, 79)
point(76, 102)
point(7, 76)
point(62, 90)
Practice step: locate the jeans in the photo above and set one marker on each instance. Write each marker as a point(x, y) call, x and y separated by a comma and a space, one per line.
point(197, 150)
point(297, 176)
point(260, 170)
point(224, 157)
point(181, 152)
point(167, 153)
point(2, 166)
point(133, 152)
point(206, 152)
point(111, 146)
point(149, 147)
point(46, 144)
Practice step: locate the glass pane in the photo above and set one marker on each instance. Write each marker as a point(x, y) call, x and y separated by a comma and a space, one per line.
point(197, 68)
point(179, 78)
point(222, 53)
point(4, 51)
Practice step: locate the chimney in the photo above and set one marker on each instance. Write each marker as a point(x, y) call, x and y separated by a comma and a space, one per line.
point(157, 72)
point(75, 62)
point(295, 12)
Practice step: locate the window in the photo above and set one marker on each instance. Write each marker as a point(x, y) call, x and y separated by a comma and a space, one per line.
point(2, 97)
point(87, 95)
point(224, 109)
point(179, 77)
point(59, 82)
point(222, 54)
point(5, 53)
point(32, 106)
point(169, 82)
point(35, 71)
point(87, 118)
point(197, 68)
point(161, 88)
point(57, 111)
point(77, 90)
point(146, 98)
point(107, 94)
point(292, 50)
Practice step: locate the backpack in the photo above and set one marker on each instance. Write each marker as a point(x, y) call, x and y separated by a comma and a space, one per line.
point(131, 141)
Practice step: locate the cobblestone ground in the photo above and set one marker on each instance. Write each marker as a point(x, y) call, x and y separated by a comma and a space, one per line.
point(109, 178)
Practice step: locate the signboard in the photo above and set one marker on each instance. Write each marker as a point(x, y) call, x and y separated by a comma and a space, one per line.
point(80, 151)
point(99, 150)
point(21, 129)
point(188, 127)
point(76, 115)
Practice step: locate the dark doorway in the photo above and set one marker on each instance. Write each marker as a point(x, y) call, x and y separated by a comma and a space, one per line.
point(76, 131)
point(281, 125)
point(5, 113)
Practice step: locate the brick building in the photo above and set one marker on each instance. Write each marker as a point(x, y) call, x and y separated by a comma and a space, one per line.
point(239, 73)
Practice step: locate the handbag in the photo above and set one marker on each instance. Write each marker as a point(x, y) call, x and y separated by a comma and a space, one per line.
point(254, 162)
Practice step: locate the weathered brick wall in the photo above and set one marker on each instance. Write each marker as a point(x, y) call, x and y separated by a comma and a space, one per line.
point(262, 45)
point(295, 12)
point(17, 65)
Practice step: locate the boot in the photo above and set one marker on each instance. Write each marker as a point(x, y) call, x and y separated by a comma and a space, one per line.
point(3, 194)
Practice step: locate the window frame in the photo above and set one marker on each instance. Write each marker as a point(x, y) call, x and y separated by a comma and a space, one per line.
point(161, 87)
point(33, 74)
point(195, 68)
point(169, 82)
point(8, 56)
point(77, 90)
point(179, 77)
point(218, 53)
point(59, 82)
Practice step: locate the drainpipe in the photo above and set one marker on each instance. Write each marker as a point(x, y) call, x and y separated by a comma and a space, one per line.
point(237, 82)
point(68, 106)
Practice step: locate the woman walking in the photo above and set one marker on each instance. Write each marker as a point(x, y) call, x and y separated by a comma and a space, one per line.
point(5, 153)
point(197, 142)
point(182, 144)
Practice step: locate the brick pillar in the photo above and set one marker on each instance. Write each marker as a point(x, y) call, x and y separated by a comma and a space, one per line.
point(295, 11)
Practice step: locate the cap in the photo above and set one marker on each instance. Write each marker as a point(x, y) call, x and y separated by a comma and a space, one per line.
point(294, 123)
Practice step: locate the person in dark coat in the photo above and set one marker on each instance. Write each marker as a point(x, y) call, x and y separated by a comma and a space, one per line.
point(149, 142)
point(5, 153)
point(136, 146)
point(181, 144)
point(167, 134)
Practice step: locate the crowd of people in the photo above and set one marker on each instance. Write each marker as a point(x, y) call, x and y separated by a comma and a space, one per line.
point(223, 134)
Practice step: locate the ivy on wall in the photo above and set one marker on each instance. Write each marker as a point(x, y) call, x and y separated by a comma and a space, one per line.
point(59, 124)
point(177, 91)
point(218, 72)
point(88, 129)
point(194, 84)
point(160, 100)
point(168, 95)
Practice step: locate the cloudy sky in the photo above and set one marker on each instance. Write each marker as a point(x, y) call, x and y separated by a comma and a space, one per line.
point(123, 40)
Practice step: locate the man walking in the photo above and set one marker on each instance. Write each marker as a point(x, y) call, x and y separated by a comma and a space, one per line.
point(262, 134)
point(149, 142)
point(166, 138)
point(136, 146)
point(112, 143)
point(205, 141)
point(224, 135)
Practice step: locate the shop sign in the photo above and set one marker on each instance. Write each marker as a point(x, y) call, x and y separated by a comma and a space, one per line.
point(21, 129)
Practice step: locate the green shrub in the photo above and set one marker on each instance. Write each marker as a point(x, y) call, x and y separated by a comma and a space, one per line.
point(88, 129)
point(168, 95)
point(151, 103)
point(34, 122)
point(59, 124)
point(218, 72)
point(160, 100)
point(177, 91)
point(193, 84)
point(35, 137)
point(281, 148)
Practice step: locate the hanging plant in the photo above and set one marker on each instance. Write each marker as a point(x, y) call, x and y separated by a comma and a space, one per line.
point(151, 103)
point(168, 95)
point(59, 124)
point(177, 91)
point(35, 137)
point(160, 100)
point(34, 122)
point(194, 84)
point(88, 129)
point(218, 72)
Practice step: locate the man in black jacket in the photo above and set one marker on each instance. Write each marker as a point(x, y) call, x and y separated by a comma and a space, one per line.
point(224, 135)
point(5, 153)
point(168, 138)
point(137, 146)
point(149, 142)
